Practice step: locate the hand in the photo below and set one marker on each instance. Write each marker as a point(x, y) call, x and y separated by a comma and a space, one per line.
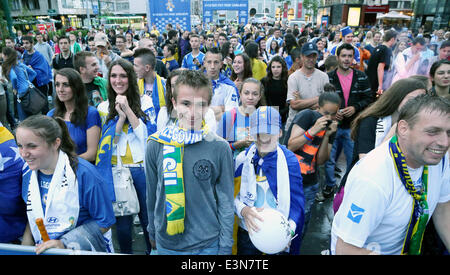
point(379, 91)
point(250, 214)
point(120, 112)
point(349, 111)
point(40, 248)
point(332, 128)
point(123, 102)
point(321, 124)
point(296, 94)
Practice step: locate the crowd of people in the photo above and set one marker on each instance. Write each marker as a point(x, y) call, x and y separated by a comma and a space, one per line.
point(215, 124)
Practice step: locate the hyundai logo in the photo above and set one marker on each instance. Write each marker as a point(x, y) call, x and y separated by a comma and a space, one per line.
point(52, 219)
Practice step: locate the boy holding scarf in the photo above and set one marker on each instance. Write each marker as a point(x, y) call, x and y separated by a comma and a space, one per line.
point(190, 203)
point(269, 176)
point(392, 193)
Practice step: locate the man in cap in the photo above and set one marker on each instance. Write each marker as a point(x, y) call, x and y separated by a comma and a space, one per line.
point(103, 54)
point(269, 177)
point(306, 84)
point(347, 37)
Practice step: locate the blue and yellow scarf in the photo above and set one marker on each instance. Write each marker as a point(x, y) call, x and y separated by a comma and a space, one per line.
point(174, 139)
point(419, 215)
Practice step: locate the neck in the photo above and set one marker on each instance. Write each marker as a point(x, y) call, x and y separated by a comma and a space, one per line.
point(409, 161)
point(87, 79)
point(52, 166)
point(70, 106)
point(31, 51)
point(306, 71)
point(343, 71)
point(66, 54)
point(442, 91)
point(276, 77)
point(150, 78)
point(195, 51)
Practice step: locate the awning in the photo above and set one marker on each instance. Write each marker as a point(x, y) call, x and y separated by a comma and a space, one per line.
point(393, 15)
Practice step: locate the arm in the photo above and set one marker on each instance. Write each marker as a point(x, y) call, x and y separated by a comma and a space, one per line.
point(300, 104)
point(441, 219)
point(343, 248)
point(224, 190)
point(297, 139)
point(380, 75)
point(325, 146)
point(151, 176)
point(92, 137)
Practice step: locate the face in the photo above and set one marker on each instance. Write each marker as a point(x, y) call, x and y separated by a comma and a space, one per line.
point(348, 38)
point(329, 110)
point(64, 45)
point(209, 41)
point(345, 59)
point(119, 80)
point(92, 47)
point(213, 64)
point(412, 94)
point(222, 40)
point(320, 45)
point(166, 52)
point(9, 43)
point(427, 141)
point(35, 151)
point(277, 69)
point(191, 105)
point(309, 61)
point(376, 38)
point(63, 89)
point(402, 46)
point(195, 43)
point(442, 76)
point(39, 38)
point(250, 94)
point(120, 43)
point(140, 68)
point(266, 143)
point(234, 42)
point(444, 53)
point(27, 45)
point(92, 67)
point(238, 64)
point(418, 48)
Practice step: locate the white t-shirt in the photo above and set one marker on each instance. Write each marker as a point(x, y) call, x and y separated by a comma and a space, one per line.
point(376, 208)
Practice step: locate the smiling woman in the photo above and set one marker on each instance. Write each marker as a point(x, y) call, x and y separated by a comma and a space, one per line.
point(44, 143)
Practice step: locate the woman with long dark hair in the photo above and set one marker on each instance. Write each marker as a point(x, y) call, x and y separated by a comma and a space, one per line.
point(275, 86)
point(242, 69)
point(82, 120)
point(128, 119)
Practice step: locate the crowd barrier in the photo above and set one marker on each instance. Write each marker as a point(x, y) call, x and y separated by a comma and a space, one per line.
point(14, 249)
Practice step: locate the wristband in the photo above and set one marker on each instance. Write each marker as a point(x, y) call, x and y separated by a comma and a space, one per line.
point(307, 134)
point(307, 138)
point(118, 134)
point(232, 147)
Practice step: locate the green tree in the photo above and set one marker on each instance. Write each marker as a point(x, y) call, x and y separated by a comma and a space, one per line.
point(311, 7)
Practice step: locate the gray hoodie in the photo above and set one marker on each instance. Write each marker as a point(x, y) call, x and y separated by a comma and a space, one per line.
point(209, 186)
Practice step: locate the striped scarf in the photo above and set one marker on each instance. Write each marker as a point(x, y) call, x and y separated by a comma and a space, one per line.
point(174, 139)
point(419, 215)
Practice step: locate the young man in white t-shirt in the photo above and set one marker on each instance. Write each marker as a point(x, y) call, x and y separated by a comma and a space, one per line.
point(376, 209)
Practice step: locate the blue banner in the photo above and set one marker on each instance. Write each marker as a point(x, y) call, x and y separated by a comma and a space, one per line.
point(239, 5)
point(163, 12)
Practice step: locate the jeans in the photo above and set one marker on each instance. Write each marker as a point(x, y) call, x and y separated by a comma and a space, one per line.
point(245, 245)
point(342, 139)
point(310, 192)
point(124, 224)
point(212, 249)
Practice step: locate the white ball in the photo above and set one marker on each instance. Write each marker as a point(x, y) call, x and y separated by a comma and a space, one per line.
point(274, 232)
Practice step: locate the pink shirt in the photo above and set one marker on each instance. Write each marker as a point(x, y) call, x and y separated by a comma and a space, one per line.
point(346, 83)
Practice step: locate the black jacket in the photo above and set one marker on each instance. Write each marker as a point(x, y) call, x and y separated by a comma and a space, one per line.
point(360, 94)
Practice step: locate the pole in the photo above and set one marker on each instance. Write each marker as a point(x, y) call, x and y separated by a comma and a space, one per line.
point(88, 14)
point(7, 11)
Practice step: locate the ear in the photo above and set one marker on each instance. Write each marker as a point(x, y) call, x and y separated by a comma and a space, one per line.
point(402, 128)
point(57, 143)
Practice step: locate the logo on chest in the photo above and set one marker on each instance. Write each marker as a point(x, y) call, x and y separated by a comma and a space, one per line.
point(202, 169)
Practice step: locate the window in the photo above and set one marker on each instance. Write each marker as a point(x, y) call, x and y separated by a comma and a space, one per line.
point(15, 5)
point(30, 5)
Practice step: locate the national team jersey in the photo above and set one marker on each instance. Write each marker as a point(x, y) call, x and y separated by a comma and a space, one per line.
point(188, 61)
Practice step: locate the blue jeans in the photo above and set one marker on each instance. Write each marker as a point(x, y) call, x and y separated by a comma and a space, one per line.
point(124, 224)
point(343, 140)
point(310, 192)
point(212, 249)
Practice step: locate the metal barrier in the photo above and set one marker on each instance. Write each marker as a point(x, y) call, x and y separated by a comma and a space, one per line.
point(14, 249)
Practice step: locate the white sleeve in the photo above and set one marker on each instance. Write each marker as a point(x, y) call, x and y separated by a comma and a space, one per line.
point(361, 211)
point(445, 187)
point(231, 99)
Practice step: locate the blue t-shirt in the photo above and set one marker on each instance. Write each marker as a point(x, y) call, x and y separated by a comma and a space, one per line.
point(234, 126)
point(78, 133)
point(188, 61)
point(94, 201)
